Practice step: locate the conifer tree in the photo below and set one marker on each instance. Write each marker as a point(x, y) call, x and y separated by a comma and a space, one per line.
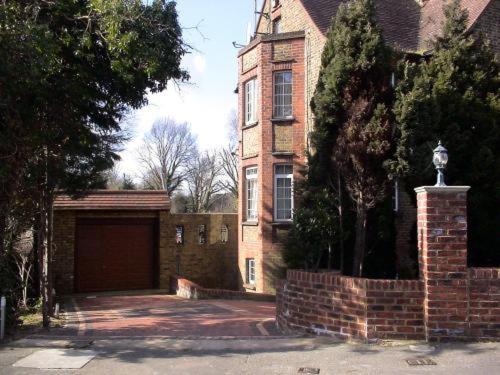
point(454, 98)
point(352, 108)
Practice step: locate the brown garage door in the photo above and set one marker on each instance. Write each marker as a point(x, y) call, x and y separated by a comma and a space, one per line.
point(115, 254)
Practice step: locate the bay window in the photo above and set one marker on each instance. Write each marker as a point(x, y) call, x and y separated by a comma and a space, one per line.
point(282, 98)
point(283, 192)
point(251, 101)
point(251, 193)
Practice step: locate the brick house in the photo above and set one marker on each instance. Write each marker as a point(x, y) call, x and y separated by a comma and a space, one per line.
point(278, 71)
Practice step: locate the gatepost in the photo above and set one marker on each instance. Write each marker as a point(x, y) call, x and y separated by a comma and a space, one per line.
point(442, 247)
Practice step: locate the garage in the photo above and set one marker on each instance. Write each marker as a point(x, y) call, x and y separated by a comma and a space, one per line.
point(115, 254)
point(109, 241)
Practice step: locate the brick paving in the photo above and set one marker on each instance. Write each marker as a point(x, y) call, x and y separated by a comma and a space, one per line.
point(167, 316)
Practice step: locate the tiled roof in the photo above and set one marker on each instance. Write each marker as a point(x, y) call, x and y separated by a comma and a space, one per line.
point(116, 200)
point(405, 24)
point(433, 17)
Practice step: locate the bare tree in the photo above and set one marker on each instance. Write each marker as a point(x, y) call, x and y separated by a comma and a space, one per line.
point(23, 255)
point(203, 181)
point(165, 154)
point(228, 157)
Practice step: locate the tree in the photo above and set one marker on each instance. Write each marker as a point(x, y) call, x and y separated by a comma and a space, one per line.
point(352, 108)
point(314, 232)
point(165, 153)
point(203, 181)
point(229, 158)
point(86, 63)
point(453, 97)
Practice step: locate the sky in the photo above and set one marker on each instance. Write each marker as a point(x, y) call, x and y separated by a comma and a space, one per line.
point(208, 99)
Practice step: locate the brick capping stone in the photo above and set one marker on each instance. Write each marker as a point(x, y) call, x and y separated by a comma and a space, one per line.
point(187, 289)
point(449, 302)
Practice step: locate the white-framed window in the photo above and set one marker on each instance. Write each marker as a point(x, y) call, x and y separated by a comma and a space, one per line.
point(282, 98)
point(251, 101)
point(250, 271)
point(276, 3)
point(277, 26)
point(251, 193)
point(283, 192)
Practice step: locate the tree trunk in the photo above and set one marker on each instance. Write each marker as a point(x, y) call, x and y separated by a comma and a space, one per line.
point(45, 244)
point(3, 223)
point(329, 257)
point(360, 241)
point(341, 223)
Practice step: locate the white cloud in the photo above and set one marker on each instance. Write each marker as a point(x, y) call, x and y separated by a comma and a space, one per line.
point(200, 63)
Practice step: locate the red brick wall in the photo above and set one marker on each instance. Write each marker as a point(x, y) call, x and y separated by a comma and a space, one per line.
point(484, 302)
point(328, 303)
point(187, 289)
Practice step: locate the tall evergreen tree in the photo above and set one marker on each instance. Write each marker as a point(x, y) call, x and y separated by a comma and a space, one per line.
point(352, 108)
point(454, 98)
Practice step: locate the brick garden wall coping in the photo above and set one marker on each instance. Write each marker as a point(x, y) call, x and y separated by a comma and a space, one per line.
point(188, 289)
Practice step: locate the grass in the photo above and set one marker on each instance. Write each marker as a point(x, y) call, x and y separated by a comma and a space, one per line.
point(31, 320)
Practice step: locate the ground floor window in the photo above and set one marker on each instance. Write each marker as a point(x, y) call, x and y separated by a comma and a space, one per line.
point(250, 267)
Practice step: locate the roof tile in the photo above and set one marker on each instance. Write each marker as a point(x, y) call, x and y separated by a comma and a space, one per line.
point(116, 200)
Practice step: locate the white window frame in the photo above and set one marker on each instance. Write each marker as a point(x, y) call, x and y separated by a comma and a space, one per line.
point(279, 109)
point(277, 26)
point(250, 271)
point(251, 101)
point(251, 209)
point(275, 202)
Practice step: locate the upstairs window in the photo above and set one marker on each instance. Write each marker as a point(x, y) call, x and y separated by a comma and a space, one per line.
point(251, 190)
point(282, 101)
point(283, 192)
point(251, 101)
point(276, 3)
point(277, 26)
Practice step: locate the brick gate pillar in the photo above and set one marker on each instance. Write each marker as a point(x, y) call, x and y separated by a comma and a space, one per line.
point(442, 248)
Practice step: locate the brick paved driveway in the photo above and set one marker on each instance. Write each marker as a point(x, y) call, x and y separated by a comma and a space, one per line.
point(167, 316)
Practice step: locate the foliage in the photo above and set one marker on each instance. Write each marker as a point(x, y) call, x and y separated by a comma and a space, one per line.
point(313, 238)
point(69, 71)
point(352, 108)
point(454, 98)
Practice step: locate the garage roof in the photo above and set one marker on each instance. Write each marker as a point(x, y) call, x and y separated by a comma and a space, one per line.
point(116, 200)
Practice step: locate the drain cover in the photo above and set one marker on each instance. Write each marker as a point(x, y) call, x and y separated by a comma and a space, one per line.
point(421, 362)
point(308, 370)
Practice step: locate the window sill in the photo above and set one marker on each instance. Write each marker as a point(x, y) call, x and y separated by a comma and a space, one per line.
point(283, 153)
point(249, 286)
point(281, 61)
point(282, 223)
point(283, 119)
point(250, 223)
point(249, 156)
point(249, 125)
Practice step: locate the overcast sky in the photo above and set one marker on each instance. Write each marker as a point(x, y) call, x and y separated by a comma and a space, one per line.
point(208, 99)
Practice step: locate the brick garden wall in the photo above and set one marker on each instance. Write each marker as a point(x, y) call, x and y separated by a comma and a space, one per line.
point(484, 302)
point(329, 303)
point(187, 289)
point(213, 264)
